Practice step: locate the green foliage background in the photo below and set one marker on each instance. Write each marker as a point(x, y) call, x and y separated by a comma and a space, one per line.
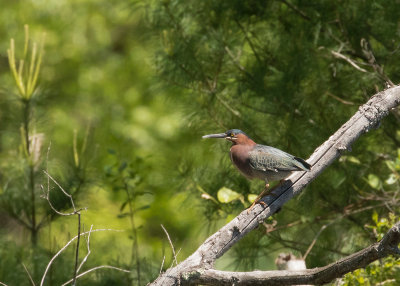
point(138, 83)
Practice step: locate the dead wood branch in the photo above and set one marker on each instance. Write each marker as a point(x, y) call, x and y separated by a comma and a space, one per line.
point(316, 276)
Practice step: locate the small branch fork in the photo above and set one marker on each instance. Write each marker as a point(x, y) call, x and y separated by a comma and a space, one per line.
point(202, 260)
point(77, 268)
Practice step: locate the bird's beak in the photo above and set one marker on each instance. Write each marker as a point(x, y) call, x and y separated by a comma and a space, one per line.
point(219, 135)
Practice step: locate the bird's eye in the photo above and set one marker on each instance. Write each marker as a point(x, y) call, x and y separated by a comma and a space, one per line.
point(232, 135)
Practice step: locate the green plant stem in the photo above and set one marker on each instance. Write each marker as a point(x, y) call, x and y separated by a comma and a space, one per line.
point(77, 249)
point(26, 125)
point(135, 247)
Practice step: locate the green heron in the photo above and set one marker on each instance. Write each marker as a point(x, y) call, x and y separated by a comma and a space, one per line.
point(257, 161)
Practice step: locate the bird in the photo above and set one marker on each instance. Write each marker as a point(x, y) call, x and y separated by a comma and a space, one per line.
point(256, 161)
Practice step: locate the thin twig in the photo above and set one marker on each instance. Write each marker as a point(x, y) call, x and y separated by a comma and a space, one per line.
point(347, 59)
point(314, 240)
point(88, 250)
point(29, 275)
point(294, 8)
point(96, 268)
point(3, 284)
point(236, 61)
point(61, 188)
point(170, 243)
point(162, 264)
point(367, 51)
point(46, 195)
point(64, 247)
point(77, 248)
point(339, 99)
point(248, 40)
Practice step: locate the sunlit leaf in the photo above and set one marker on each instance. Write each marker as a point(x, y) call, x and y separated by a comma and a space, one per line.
point(391, 180)
point(251, 197)
point(226, 195)
point(353, 160)
point(375, 217)
point(391, 165)
point(374, 181)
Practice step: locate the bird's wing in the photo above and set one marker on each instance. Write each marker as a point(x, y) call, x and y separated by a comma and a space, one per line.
point(266, 158)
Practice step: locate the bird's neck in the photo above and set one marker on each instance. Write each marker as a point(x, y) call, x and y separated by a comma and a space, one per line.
point(244, 141)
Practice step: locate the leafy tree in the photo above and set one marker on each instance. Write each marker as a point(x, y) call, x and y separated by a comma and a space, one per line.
point(289, 73)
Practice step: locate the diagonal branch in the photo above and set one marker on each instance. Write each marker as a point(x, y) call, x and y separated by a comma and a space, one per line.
point(366, 118)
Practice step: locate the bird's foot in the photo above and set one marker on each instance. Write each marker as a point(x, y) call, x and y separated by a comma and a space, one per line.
point(265, 192)
point(259, 201)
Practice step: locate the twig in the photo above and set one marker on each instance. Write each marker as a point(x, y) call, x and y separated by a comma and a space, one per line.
point(77, 248)
point(162, 265)
point(46, 195)
point(228, 107)
point(29, 275)
point(61, 188)
point(236, 61)
point(314, 241)
point(248, 40)
point(294, 8)
point(65, 246)
point(347, 59)
point(339, 99)
point(372, 60)
point(170, 243)
point(88, 250)
point(96, 268)
point(3, 284)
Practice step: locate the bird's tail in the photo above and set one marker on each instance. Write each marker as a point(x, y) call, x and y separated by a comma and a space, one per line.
point(303, 164)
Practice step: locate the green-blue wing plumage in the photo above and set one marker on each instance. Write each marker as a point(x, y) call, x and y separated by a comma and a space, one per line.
point(266, 158)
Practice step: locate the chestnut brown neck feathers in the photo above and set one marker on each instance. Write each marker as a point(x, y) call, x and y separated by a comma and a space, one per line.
point(241, 139)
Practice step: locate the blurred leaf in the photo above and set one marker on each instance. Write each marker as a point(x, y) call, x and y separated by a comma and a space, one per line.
point(350, 159)
point(122, 215)
point(374, 181)
point(122, 166)
point(123, 206)
point(353, 160)
point(251, 197)
point(226, 195)
point(375, 217)
point(391, 165)
point(391, 180)
point(142, 208)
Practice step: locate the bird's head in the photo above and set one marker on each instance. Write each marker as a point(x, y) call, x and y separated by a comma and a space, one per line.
point(236, 136)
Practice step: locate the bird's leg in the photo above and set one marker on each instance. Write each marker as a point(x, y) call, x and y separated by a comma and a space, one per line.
point(260, 196)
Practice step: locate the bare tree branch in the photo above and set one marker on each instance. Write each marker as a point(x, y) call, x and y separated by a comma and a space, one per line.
point(365, 119)
point(320, 275)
